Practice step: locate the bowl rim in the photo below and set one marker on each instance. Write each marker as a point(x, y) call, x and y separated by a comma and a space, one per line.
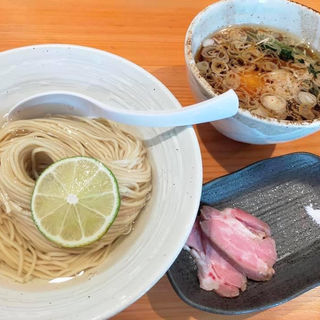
point(197, 172)
point(190, 61)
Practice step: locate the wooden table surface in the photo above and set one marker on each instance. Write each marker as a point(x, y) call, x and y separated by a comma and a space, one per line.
point(151, 34)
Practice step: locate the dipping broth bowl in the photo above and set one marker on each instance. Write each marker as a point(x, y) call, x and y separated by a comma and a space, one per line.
point(281, 14)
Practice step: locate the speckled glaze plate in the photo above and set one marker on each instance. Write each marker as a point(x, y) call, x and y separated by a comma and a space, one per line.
point(277, 191)
point(138, 260)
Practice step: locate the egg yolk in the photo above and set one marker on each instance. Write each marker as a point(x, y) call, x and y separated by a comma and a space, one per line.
point(251, 81)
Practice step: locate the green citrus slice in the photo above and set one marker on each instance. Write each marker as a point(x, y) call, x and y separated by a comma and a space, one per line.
point(75, 201)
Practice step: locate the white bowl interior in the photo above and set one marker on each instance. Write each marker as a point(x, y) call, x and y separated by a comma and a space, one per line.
point(142, 257)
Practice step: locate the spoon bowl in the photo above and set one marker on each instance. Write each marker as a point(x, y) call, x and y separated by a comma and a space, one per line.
point(71, 103)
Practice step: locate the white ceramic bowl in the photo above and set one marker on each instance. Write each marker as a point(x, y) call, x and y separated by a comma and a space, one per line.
point(281, 14)
point(137, 262)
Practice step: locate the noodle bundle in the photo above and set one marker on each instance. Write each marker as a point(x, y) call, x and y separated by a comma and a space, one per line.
point(27, 147)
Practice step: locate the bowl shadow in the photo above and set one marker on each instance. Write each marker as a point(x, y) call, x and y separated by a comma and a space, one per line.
point(230, 154)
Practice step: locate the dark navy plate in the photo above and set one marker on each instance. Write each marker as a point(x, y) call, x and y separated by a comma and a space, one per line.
point(276, 190)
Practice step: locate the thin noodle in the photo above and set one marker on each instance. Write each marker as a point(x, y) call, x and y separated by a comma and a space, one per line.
point(27, 147)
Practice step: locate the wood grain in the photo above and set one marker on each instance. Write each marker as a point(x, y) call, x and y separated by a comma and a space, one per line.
point(151, 34)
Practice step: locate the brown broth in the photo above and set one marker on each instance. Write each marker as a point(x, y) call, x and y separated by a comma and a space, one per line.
point(274, 73)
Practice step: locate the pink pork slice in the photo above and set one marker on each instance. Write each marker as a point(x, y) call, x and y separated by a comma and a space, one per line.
point(214, 272)
point(244, 239)
point(267, 247)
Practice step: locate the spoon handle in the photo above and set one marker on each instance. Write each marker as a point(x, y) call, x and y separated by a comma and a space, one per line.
point(220, 107)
